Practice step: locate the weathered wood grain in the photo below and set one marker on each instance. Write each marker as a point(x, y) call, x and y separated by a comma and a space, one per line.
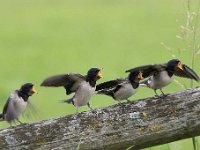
point(140, 124)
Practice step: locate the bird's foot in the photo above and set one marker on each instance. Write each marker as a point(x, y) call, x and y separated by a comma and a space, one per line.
point(19, 121)
point(90, 107)
point(77, 110)
point(120, 103)
point(161, 96)
point(158, 96)
point(164, 95)
point(94, 111)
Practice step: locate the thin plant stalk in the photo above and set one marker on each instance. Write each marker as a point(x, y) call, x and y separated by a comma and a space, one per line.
point(194, 141)
point(194, 40)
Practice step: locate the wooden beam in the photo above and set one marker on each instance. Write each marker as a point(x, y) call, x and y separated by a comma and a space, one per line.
point(139, 124)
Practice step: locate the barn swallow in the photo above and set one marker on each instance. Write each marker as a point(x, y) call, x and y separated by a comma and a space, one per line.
point(16, 103)
point(83, 86)
point(160, 75)
point(121, 89)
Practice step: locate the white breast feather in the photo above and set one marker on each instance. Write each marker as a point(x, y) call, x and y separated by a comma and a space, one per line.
point(125, 92)
point(83, 94)
point(160, 81)
point(16, 106)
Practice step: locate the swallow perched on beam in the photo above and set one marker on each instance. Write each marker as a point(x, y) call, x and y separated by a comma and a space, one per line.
point(83, 86)
point(160, 75)
point(121, 89)
point(16, 103)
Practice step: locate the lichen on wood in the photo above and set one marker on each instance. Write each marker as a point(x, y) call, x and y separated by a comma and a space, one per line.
point(138, 124)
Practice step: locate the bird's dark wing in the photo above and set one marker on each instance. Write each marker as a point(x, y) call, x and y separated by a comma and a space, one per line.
point(5, 108)
point(69, 81)
point(9, 106)
point(117, 88)
point(187, 72)
point(62, 80)
point(110, 84)
point(149, 70)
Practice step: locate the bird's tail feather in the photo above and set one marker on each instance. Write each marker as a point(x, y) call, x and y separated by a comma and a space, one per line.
point(69, 101)
point(144, 83)
point(106, 92)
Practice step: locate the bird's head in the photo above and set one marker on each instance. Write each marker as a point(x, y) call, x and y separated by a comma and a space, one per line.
point(94, 74)
point(175, 64)
point(135, 76)
point(28, 89)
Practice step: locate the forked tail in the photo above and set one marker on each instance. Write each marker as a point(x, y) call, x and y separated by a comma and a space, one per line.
point(106, 92)
point(69, 101)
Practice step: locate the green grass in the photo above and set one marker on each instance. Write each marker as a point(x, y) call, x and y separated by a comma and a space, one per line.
point(41, 38)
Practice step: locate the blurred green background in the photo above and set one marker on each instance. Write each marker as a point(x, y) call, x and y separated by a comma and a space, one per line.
point(41, 38)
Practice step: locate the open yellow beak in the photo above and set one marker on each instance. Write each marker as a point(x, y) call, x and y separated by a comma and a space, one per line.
point(180, 65)
point(140, 77)
point(99, 75)
point(33, 90)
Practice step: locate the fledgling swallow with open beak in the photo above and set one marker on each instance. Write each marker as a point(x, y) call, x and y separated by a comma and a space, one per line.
point(121, 89)
point(83, 86)
point(17, 103)
point(160, 75)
